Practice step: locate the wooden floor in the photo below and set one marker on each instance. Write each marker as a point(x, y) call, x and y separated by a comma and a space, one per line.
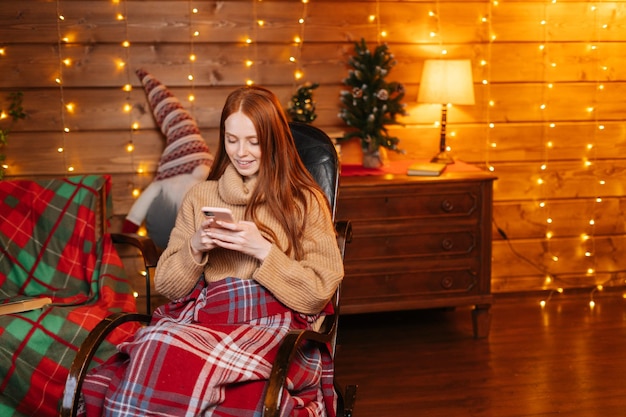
point(566, 359)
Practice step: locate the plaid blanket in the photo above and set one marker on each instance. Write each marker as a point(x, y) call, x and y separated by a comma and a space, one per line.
point(210, 354)
point(48, 247)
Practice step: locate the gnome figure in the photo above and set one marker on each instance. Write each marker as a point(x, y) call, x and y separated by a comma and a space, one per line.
point(186, 161)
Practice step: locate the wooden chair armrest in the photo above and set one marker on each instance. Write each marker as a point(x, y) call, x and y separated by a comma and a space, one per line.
point(149, 252)
point(344, 235)
point(80, 365)
point(284, 357)
point(146, 246)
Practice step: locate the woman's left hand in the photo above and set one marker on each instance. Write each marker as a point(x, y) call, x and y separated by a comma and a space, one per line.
point(243, 237)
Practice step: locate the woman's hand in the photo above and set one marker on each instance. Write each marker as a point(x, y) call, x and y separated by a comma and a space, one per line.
point(243, 237)
point(201, 242)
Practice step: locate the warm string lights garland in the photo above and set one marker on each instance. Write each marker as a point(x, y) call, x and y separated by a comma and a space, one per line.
point(252, 61)
point(70, 107)
point(376, 18)
point(299, 44)
point(3, 115)
point(193, 35)
point(548, 144)
point(121, 15)
point(486, 65)
point(549, 139)
point(589, 159)
point(435, 15)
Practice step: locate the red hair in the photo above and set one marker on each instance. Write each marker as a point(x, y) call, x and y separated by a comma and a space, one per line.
point(283, 183)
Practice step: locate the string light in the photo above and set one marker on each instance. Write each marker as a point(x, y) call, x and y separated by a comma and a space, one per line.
point(193, 11)
point(485, 64)
point(296, 58)
point(436, 33)
point(547, 129)
point(587, 235)
point(249, 62)
point(377, 20)
point(121, 14)
point(589, 244)
point(61, 40)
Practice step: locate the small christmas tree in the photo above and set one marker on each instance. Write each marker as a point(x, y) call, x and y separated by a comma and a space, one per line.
point(372, 102)
point(302, 107)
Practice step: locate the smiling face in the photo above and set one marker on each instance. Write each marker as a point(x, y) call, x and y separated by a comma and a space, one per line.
point(242, 144)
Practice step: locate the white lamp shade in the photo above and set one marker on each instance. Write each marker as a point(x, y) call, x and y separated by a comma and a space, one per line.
point(446, 81)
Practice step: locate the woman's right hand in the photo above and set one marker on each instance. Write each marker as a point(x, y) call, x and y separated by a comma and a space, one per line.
point(201, 242)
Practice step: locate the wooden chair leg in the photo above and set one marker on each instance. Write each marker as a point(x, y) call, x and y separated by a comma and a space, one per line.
point(349, 399)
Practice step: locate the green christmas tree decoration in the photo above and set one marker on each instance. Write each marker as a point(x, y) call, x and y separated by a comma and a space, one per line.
point(302, 107)
point(371, 103)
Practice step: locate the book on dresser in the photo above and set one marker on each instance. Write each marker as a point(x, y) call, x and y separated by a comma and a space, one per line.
point(428, 169)
point(24, 304)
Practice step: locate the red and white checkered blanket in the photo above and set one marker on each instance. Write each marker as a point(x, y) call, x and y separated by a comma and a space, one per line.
point(210, 354)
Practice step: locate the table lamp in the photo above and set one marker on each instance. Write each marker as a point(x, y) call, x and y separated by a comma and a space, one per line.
point(446, 81)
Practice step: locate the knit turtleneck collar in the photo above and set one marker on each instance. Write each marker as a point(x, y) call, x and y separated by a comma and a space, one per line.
point(233, 189)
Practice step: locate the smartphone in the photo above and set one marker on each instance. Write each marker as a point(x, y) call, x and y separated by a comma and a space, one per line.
point(219, 213)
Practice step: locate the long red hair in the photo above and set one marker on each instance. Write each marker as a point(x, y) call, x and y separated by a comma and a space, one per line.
point(283, 183)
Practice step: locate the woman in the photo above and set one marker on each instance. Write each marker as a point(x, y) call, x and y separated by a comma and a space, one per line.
point(285, 239)
point(238, 287)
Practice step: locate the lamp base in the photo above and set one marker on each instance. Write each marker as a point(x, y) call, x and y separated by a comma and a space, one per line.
point(443, 158)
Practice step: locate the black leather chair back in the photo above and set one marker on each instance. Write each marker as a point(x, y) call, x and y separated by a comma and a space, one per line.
point(319, 156)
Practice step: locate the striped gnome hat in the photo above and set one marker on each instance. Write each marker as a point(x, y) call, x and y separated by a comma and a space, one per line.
point(185, 148)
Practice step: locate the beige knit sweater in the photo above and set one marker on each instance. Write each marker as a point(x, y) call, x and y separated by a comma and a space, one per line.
point(304, 286)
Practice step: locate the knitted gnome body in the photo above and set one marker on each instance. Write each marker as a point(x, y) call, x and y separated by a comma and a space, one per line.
point(185, 161)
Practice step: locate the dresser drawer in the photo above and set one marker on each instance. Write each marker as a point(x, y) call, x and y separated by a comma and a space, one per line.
point(447, 280)
point(420, 202)
point(407, 241)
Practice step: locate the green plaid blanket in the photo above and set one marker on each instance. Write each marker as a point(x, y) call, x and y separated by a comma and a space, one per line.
point(48, 247)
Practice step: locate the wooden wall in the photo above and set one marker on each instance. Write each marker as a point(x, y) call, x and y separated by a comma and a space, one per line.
point(563, 162)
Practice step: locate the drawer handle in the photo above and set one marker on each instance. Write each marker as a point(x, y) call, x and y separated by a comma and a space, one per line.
point(446, 283)
point(447, 206)
point(447, 244)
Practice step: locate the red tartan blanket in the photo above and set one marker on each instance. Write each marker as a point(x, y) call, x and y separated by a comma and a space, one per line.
point(48, 247)
point(210, 354)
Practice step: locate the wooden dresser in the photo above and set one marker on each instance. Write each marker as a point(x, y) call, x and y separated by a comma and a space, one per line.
point(418, 242)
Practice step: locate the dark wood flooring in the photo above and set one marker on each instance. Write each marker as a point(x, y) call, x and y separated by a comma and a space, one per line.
point(565, 359)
